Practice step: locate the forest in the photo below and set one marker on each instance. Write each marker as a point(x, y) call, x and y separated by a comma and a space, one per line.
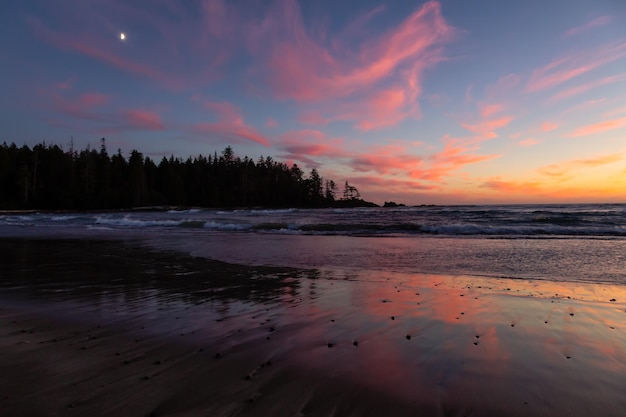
point(47, 177)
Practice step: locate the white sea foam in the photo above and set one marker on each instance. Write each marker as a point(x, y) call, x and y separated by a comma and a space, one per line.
point(276, 211)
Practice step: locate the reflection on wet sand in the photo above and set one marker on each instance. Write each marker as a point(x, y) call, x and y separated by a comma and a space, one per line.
point(107, 328)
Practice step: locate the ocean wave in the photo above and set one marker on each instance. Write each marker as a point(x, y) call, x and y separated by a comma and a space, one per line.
point(62, 218)
point(268, 211)
point(188, 211)
point(126, 221)
point(226, 226)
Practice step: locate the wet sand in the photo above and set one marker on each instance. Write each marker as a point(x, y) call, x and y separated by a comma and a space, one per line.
point(107, 328)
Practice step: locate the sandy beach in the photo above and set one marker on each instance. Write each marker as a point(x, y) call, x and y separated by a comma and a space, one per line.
point(105, 328)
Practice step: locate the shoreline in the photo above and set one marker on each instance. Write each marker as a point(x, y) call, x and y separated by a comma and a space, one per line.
point(199, 337)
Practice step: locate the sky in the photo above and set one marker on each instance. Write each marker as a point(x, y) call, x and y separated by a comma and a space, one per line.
point(418, 102)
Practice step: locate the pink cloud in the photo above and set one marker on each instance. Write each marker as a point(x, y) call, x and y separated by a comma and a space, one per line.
point(63, 85)
point(615, 112)
point(572, 66)
point(504, 86)
point(489, 109)
point(391, 185)
point(313, 118)
point(549, 126)
point(306, 144)
point(96, 48)
point(397, 160)
point(378, 82)
point(599, 127)
point(583, 88)
point(90, 107)
point(454, 156)
point(594, 23)
point(271, 123)
point(143, 119)
point(392, 160)
point(230, 132)
point(83, 106)
point(585, 106)
point(397, 164)
point(504, 186)
point(303, 69)
point(188, 46)
point(382, 109)
point(90, 100)
point(230, 125)
point(359, 27)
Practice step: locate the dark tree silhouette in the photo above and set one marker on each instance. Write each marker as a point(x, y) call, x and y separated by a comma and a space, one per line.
point(47, 177)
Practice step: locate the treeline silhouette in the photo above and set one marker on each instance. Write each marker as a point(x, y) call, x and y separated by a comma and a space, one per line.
point(48, 177)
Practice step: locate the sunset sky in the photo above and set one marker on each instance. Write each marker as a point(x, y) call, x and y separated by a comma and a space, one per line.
point(438, 102)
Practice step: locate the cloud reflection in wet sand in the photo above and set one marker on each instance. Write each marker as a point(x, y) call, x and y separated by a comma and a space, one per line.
point(440, 345)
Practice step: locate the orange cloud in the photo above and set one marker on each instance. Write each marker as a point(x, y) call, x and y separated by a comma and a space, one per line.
point(487, 128)
point(598, 161)
point(562, 171)
point(599, 127)
point(569, 67)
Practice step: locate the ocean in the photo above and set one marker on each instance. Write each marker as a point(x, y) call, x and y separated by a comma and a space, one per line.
point(578, 243)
